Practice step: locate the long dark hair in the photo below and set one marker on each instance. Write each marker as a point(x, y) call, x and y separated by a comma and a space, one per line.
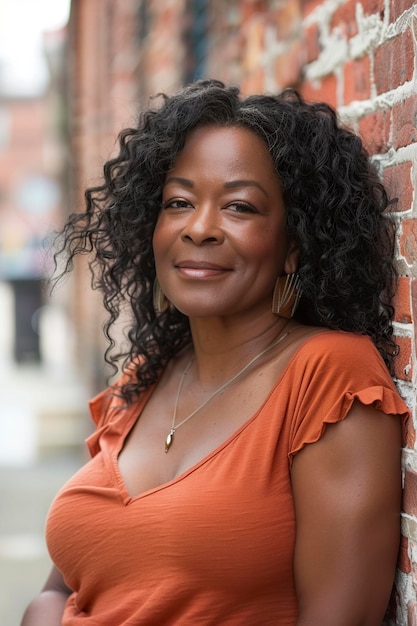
point(335, 212)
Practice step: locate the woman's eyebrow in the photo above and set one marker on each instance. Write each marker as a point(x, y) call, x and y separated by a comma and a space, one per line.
point(229, 185)
point(245, 183)
point(182, 181)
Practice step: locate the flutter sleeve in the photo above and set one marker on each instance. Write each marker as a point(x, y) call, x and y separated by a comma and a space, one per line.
point(105, 410)
point(333, 370)
point(110, 413)
point(102, 409)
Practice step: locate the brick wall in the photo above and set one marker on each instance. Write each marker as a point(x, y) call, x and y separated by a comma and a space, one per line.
point(358, 55)
point(103, 97)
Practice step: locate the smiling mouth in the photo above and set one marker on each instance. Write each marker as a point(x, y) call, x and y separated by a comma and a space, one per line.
point(200, 269)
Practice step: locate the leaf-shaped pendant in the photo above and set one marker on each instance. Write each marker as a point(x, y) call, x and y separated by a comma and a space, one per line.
point(169, 440)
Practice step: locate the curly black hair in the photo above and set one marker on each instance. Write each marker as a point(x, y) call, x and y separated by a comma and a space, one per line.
point(335, 208)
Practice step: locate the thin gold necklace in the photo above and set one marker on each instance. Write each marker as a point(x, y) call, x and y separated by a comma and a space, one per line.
point(170, 437)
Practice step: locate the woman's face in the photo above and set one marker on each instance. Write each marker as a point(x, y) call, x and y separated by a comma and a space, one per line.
point(220, 240)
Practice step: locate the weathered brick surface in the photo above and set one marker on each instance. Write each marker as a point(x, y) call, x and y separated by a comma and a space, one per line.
point(398, 7)
point(372, 7)
point(410, 436)
point(403, 363)
point(408, 241)
point(288, 68)
point(402, 301)
point(404, 563)
point(311, 43)
point(287, 18)
point(357, 79)
point(394, 62)
point(399, 185)
point(321, 90)
point(344, 18)
point(410, 493)
point(375, 129)
point(404, 117)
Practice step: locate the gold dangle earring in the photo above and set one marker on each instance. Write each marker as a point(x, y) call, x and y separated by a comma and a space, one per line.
point(160, 301)
point(286, 295)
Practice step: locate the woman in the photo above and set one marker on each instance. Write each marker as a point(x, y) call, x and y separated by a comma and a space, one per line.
point(246, 467)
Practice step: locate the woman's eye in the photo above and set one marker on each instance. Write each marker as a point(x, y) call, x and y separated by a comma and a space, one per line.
point(175, 204)
point(241, 207)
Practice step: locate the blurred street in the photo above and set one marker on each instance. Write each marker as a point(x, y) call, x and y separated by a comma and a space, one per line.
point(26, 494)
point(43, 420)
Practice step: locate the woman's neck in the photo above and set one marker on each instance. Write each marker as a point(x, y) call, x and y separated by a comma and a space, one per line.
point(221, 348)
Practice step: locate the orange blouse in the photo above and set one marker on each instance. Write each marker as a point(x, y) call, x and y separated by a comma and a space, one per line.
point(215, 545)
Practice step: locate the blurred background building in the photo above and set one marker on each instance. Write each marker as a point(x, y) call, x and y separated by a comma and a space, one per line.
point(98, 69)
point(36, 333)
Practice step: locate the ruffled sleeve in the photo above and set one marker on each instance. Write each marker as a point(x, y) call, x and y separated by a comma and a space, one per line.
point(111, 414)
point(102, 409)
point(99, 406)
point(335, 369)
point(106, 409)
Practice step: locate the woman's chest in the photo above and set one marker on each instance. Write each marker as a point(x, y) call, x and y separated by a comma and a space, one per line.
point(234, 512)
point(196, 428)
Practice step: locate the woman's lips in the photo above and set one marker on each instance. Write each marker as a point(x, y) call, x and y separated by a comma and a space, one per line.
point(200, 269)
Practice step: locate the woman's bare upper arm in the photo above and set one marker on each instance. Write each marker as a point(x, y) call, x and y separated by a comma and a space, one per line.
point(48, 607)
point(347, 495)
point(55, 582)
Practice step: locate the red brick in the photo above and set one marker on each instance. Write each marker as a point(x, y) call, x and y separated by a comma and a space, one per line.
point(408, 240)
point(373, 6)
point(254, 82)
point(310, 5)
point(344, 18)
point(375, 131)
point(394, 62)
point(357, 79)
point(409, 436)
point(398, 184)
point(410, 493)
point(403, 368)
point(288, 19)
point(414, 298)
point(254, 37)
point(251, 7)
point(323, 91)
point(402, 301)
point(311, 43)
point(404, 116)
point(403, 559)
point(397, 7)
point(288, 66)
point(414, 306)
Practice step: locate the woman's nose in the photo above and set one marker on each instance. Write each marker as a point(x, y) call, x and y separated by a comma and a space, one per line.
point(203, 225)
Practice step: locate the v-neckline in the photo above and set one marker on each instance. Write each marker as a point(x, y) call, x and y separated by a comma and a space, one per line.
point(130, 499)
point(135, 411)
point(135, 415)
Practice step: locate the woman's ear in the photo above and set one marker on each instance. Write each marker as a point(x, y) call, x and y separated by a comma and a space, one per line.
point(292, 258)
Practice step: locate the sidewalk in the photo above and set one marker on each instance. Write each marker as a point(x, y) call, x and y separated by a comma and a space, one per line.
point(44, 421)
point(25, 495)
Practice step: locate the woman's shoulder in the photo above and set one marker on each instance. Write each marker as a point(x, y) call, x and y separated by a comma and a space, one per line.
point(327, 341)
point(320, 350)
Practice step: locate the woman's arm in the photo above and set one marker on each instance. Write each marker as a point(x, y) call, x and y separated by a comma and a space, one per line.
point(48, 607)
point(347, 493)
